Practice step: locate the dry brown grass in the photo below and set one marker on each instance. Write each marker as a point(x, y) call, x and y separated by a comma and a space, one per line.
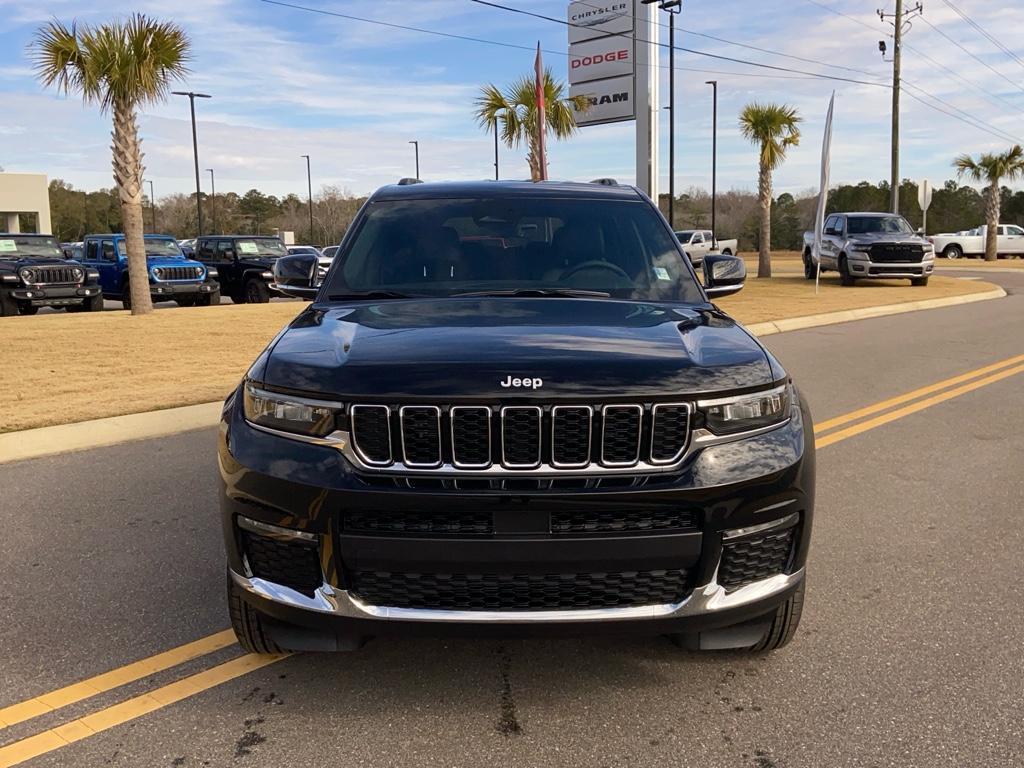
point(61, 368)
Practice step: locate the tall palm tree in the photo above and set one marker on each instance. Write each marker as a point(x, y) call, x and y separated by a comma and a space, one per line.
point(119, 66)
point(774, 128)
point(515, 111)
point(992, 168)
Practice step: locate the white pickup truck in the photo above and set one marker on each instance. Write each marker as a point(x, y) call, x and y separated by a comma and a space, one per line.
point(1009, 242)
point(699, 242)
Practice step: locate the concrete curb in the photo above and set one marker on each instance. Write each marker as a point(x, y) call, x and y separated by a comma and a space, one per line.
point(83, 435)
point(849, 315)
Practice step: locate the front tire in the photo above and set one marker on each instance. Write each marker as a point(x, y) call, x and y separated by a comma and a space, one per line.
point(211, 299)
point(808, 267)
point(93, 303)
point(783, 624)
point(247, 623)
point(27, 309)
point(919, 281)
point(844, 273)
point(126, 296)
point(952, 251)
point(256, 292)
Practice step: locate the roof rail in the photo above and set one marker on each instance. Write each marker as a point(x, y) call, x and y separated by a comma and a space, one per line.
point(407, 181)
point(606, 182)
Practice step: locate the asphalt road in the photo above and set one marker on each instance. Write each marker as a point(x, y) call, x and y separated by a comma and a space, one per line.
point(909, 654)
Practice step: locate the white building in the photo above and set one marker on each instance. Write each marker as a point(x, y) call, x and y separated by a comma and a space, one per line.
point(24, 193)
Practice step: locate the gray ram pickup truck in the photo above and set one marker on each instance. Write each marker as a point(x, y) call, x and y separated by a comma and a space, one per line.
point(875, 245)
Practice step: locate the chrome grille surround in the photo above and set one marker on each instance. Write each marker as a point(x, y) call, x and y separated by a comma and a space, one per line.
point(354, 420)
point(454, 415)
point(405, 416)
point(556, 411)
point(514, 412)
point(616, 441)
point(655, 411)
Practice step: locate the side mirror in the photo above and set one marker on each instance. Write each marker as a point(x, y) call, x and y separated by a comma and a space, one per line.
point(297, 276)
point(723, 275)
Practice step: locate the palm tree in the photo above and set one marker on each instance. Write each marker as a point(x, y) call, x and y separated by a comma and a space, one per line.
point(774, 128)
point(121, 67)
point(992, 168)
point(515, 110)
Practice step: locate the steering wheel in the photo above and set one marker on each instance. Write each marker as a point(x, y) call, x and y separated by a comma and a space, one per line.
point(595, 264)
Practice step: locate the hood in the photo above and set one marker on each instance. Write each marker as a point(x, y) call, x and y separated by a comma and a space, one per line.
point(888, 237)
point(464, 348)
point(36, 261)
point(171, 261)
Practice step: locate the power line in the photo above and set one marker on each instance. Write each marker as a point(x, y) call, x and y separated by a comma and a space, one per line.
point(830, 9)
point(959, 114)
point(981, 90)
point(985, 34)
point(980, 61)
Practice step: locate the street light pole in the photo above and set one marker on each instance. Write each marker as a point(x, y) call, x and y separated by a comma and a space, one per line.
point(309, 187)
point(152, 204)
point(672, 7)
point(416, 144)
point(714, 158)
point(192, 96)
point(495, 150)
point(213, 201)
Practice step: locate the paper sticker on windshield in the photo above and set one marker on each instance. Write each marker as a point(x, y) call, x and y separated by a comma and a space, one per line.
point(248, 247)
point(661, 273)
point(6, 246)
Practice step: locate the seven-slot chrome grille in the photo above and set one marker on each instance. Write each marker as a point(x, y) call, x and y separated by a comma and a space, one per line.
point(58, 275)
point(520, 438)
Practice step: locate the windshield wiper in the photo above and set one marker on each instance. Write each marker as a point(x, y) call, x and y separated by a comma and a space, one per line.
point(370, 295)
point(542, 292)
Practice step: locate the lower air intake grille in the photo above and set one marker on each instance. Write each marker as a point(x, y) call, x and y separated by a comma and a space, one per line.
point(624, 520)
point(519, 592)
point(389, 523)
point(748, 560)
point(290, 564)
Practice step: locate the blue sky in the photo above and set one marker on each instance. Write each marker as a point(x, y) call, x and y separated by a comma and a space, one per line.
point(288, 82)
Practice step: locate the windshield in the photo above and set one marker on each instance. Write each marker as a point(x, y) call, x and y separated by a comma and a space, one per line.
point(864, 225)
point(259, 246)
point(685, 235)
point(156, 246)
point(445, 247)
point(17, 246)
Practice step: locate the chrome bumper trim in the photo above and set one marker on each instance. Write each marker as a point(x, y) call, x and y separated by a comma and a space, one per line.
point(708, 599)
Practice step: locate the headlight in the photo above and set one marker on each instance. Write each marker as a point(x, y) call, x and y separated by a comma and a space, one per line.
point(288, 413)
point(26, 275)
point(78, 273)
point(727, 415)
point(861, 247)
point(158, 273)
point(198, 271)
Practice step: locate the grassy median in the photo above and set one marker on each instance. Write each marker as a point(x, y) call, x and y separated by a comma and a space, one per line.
point(60, 368)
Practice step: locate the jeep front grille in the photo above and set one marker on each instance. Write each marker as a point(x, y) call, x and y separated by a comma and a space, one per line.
point(520, 438)
point(178, 273)
point(60, 275)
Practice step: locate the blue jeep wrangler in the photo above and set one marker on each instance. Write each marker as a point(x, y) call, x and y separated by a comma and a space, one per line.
point(171, 276)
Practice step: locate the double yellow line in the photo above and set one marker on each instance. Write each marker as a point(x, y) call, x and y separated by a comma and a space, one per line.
point(827, 433)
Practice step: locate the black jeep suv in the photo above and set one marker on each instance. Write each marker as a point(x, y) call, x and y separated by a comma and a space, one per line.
point(512, 406)
point(34, 274)
point(244, 264)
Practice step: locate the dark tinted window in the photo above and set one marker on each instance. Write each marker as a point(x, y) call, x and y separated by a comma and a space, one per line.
point(14, 246)
point(449, 246)
point(862, 225)
point(204, 249)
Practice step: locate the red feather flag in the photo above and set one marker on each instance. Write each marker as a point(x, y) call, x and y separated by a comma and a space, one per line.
point(542, 128)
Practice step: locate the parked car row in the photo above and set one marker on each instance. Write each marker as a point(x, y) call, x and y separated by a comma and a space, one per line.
point(38, 271)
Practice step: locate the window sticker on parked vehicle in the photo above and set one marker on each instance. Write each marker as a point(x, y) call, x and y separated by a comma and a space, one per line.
point(661, 273)
point(7, 246)
point(248, 247)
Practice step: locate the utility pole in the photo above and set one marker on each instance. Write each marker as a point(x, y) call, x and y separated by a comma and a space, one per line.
point(213, 201)
point(672, 7)
point(152, 203)
point(901, 23)
point(192, 96)
point(496, 150)
point(309, 186)
point(714, 158)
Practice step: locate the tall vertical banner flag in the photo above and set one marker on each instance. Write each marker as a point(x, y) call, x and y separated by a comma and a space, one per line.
point(819, 219)
point(542, 127)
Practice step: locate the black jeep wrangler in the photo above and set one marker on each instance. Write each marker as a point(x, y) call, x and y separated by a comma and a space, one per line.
point(514, 407)
point(34, 274)
point(244, 264)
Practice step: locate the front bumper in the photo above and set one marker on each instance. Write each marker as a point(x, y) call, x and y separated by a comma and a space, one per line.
point(304, 492)
point(55, 296)
point(862, 266)
point(168, 290)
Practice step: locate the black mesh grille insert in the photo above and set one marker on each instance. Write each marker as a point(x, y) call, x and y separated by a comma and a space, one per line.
point(442, 522)
point(471, 436)
point(519, 592)
point(520, 436)
point(570, 435)
point(759, 557)
point(621, 435)
point(595, 521)
point(897, 252)
point(371, 432)
point(421, 435)
point(669, 432)
point(291, 564)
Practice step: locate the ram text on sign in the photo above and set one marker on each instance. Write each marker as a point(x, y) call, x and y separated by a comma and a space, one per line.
point(600, 58)
point(595, 18)
point(610, 100)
